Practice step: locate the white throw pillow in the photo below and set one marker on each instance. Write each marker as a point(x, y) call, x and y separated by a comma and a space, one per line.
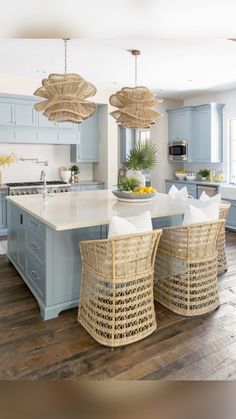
point(178, 193)
point(123, 226)
point(195, 215)
point(205, 198)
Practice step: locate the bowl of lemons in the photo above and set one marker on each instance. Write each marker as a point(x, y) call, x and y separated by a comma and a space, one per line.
point(181, 174)
point(142, 194)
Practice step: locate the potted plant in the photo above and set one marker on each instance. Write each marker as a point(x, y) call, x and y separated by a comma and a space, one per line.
point(143, 157)
point(75, 170)
point(128, 184)
point(204, 173)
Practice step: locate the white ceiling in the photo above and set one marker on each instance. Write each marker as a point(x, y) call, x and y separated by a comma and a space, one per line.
point(184, 43)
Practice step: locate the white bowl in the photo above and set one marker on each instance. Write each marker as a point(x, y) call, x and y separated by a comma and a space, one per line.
point(180, 176)
point(191, 177)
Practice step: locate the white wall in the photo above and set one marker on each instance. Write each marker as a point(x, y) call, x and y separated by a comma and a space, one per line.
point(159, 136)
point(229, 111)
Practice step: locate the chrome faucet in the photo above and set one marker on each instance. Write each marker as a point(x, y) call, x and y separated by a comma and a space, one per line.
point(44, 179)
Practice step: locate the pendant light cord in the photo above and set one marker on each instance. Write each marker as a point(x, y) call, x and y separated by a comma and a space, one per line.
point(136, 70)
point(65, 56)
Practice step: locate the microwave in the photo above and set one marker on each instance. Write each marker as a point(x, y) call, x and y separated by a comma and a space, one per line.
point(178, 150)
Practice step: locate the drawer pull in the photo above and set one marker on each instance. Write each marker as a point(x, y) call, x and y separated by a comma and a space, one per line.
point(34, 246)
point(34, 275)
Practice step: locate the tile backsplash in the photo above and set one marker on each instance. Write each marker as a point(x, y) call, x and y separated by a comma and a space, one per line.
point(27, 171)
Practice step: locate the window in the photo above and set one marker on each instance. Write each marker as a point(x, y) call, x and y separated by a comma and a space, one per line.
point(232, 150)
point(143, 135)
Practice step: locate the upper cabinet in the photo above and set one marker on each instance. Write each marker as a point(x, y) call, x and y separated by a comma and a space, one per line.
point(87, 148)
point(126, 142)
point(201, 126)
point(20, 123)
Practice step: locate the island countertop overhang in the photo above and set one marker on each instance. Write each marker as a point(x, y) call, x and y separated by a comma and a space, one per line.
point(73, 210)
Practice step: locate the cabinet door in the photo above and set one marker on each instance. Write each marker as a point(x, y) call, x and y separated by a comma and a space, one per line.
point(12, 215)
point(66, 125)
point(6, 136)
point(21, 241)
point(23, 136)
point(89, 140)
point(179, 124)
point(200, 147)
point(6, 114)
point(25, 115)
point(43, 122)
point(231, 220)
point(3, 210)
point(68, 136)
point(47, 136)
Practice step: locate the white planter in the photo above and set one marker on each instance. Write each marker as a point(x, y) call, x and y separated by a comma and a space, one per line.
point(137, 174)
point(66, 175)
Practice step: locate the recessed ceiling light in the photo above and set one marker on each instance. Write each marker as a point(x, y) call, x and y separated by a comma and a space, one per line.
point(190, 80)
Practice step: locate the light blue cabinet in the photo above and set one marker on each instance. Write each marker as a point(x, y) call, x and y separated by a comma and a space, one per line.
point(180, 123)
point(231, 220)
point(88, 187)
point(87, 148)
point(6, 114)
point(20, 123)
point(24, 115)
point(191, 188)
point(201, 126)
point(3, 212)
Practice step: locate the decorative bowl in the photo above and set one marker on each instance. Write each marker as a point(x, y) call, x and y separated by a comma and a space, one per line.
point(130, 197)
point(181, 176)
point(191, 177)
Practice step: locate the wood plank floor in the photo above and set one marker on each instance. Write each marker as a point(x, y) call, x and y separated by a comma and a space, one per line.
point(203, 348)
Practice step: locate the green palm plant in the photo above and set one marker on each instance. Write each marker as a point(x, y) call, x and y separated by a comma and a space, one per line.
point(142, 157)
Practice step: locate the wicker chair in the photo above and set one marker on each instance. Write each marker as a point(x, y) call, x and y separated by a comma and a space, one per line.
point(116, 297)
point(185, 279)
point(222, 264)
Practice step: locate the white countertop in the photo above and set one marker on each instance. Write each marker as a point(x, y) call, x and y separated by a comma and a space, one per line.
point(66, 211)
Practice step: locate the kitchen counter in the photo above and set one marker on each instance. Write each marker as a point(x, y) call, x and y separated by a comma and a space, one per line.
point(195, 182)
point(75, 210)
point(44, 236)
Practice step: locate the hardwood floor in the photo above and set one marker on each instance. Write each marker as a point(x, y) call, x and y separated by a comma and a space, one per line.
point(202, 348)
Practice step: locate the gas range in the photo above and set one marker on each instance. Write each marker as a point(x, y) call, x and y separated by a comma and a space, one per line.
point(28, 188)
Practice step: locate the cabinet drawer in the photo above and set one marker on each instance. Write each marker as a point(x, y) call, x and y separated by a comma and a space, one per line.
point(35, 244)
point(36, 225)
point(35, 275)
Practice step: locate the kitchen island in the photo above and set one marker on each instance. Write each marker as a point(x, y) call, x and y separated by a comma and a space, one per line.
point(44, 235)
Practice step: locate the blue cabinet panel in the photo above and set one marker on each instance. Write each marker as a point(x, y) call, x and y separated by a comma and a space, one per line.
point(231, 220)
point(3, 212)
point(47, 136)
point(89, 140)
point(191, 188)
point(25, 136)
point(68, 136)
point(126, 142)
point(43, 121)
point(6, 114)
point(24, 115)
point(201, 126)
point(7, 136)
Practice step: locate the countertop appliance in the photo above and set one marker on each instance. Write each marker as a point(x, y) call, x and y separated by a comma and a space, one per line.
point(178, 150)
point(27, 188)
point(209, 190)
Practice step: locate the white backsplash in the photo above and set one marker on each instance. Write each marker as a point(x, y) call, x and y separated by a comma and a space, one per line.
point(27, 171)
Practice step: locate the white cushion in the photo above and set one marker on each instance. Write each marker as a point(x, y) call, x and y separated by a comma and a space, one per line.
point(205, 198)
point(176, 193)
point(195, 215)
point(123, 226)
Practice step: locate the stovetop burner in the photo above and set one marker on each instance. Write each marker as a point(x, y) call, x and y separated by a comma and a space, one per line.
point(50, 182)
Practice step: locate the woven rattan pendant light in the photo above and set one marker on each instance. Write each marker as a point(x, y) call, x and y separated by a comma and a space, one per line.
point(66, 96)
point(135, 104)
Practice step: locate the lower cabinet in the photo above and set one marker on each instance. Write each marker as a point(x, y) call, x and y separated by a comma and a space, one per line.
point(3, 212)
point(191, 188)
point(88, 187)
point(231, 220)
